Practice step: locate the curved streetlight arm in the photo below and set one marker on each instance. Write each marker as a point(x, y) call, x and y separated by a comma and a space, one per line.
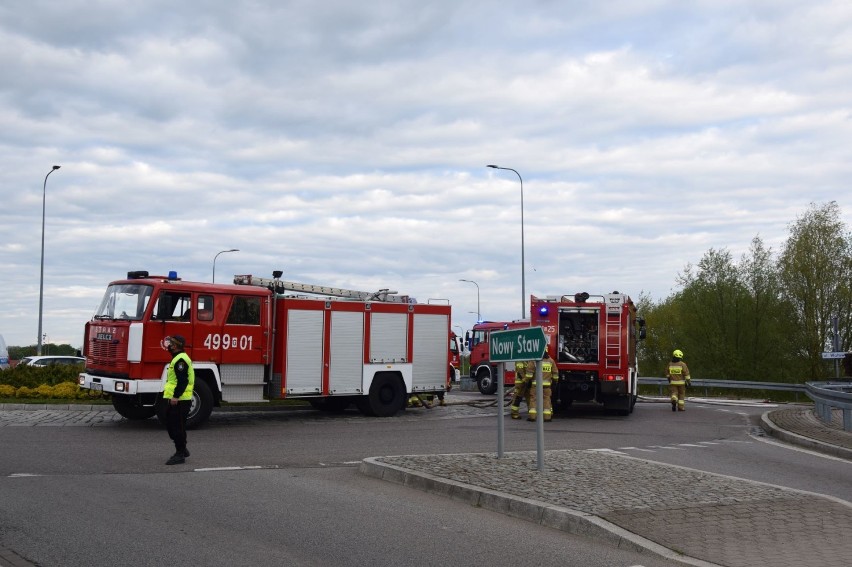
point(523, 264)
point(41, 273)
point(216, 256)
point(478, 316)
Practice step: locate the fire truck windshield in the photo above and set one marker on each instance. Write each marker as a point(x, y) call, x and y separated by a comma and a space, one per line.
point(124, 301)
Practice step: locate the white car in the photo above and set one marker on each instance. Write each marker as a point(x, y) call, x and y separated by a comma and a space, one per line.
point(50, 360)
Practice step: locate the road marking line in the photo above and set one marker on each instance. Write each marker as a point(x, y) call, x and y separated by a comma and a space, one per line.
point(216, 469)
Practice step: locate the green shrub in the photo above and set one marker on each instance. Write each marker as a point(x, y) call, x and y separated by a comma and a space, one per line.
point(67, 391)
point(25, 392)
point(35, 376)
point(44, 391)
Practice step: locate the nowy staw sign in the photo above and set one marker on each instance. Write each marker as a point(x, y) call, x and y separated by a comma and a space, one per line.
point(517, 344)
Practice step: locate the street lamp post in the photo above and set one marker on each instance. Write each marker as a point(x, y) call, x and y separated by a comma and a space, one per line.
point(41, 274)
point(216, 256)
point(478, 316)
point(523, 265)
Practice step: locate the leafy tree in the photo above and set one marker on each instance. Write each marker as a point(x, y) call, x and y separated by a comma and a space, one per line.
point(770, 348)
point(662, 325)
point(713, 298)
point(816, 270)
point(729, 319)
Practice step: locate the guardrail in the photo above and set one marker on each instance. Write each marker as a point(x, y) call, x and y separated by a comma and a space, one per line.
point(734, 384)
point(830, 395)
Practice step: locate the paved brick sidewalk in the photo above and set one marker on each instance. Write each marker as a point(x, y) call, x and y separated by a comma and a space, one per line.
point(799, 425)
point(688, 516)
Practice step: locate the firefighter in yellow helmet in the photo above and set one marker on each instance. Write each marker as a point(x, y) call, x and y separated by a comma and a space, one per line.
point(678, 375)
point(523, 379)
point(549, 375)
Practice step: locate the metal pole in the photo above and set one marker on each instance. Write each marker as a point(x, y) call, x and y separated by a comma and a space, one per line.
point(501, 371)
point(836, 341)
point(216, 256)
point(523, 264)
point(539, 417)
point(41, 274)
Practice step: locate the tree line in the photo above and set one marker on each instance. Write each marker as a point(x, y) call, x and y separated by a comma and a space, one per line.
point(19, 352)
point(764, 316)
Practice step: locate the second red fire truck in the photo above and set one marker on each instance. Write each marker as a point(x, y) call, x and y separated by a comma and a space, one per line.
point(262, 339)
point(592, 338)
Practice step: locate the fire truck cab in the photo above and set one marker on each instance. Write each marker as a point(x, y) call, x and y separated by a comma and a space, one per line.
point(482, 370)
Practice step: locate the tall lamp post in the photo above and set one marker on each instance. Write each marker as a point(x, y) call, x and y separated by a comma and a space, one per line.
point(216, 256)
point(41, 274)
point(478, 316)
point(523, 265)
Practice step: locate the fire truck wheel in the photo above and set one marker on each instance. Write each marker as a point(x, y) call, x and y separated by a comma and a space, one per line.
point(202, 405)
point(127, 408)
point(486, 384)
point(387, 395)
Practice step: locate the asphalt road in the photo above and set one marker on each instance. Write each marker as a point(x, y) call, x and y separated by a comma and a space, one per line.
point(282, 488)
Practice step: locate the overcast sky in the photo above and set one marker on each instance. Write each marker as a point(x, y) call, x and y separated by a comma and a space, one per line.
point(346, 143)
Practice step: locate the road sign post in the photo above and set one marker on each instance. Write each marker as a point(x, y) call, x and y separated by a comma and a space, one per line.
point(513, 345)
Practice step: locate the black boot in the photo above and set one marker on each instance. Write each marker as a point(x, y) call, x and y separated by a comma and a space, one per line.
point(176, 459)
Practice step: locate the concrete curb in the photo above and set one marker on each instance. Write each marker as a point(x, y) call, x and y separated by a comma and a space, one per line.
point(547, 515)
point(56, 407)
point(773, 430)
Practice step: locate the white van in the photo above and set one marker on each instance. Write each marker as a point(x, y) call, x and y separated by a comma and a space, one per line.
point(4, 354)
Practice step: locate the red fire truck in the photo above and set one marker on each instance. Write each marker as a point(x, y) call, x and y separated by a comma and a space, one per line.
point(482, 370)
point(253, 341)
point(593, 340)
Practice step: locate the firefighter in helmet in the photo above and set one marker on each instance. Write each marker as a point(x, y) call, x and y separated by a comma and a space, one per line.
point(523, 379)
point(549, 374)
point(678, 376)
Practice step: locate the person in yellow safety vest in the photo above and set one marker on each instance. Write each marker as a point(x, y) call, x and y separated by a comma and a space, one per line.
point(177, 395)
point(678, 375)
point(522, 389)
point(549, 374)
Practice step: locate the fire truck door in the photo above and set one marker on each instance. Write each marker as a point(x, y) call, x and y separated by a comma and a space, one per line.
point(171, 315)
point(241, 339)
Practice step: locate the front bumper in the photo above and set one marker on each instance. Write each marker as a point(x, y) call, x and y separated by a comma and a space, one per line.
point(118, 385)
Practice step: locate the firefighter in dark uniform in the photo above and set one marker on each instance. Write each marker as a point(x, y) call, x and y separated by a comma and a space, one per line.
point(177, 395)
point(523, 379)
point(549, 375)
point(678, 376)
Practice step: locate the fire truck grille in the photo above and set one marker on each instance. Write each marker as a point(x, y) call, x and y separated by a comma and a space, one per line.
point(108, 355)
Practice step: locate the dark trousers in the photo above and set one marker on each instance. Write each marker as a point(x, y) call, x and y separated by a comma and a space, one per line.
point(176, 422)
